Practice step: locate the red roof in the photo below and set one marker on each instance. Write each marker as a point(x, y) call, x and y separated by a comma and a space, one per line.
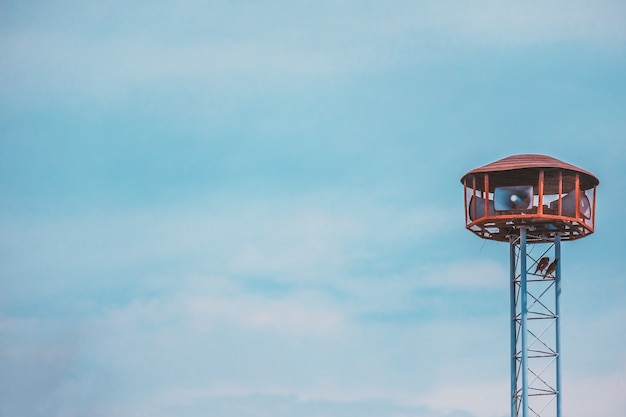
point(533, 162)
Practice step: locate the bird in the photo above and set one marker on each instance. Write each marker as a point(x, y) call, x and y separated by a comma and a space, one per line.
point(551, 268)
point(541, 265)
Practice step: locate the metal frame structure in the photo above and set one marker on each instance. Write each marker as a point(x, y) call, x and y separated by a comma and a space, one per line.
point(535, 327)
point(560, 206)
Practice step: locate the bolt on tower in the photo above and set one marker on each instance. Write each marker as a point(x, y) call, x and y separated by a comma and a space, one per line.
point(533, 202)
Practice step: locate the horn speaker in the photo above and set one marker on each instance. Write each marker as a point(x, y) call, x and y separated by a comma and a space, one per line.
point(519, 197)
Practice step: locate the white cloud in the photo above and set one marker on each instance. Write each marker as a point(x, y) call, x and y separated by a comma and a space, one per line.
point(493, 22)
point(309, 238)
point(601, 395)
point(467, 274)
point(298, 316)
point(482, 399)
point(216, 47)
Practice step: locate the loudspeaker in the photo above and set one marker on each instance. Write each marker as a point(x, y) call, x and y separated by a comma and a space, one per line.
point(479, 204)
point(568, 205)
point(519, 197)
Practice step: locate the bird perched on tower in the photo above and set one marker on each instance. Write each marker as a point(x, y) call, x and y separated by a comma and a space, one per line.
point(551, 268)
point(541, 265)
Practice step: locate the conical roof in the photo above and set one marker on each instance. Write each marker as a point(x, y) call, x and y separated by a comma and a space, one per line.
point(514, 168)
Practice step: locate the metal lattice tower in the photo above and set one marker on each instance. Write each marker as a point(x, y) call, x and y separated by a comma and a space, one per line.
point(535, 329)
point(533, 202)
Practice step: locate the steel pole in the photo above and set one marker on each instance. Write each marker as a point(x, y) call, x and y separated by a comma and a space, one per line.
point(523, 332)
point(513, 327)
point(557, 312)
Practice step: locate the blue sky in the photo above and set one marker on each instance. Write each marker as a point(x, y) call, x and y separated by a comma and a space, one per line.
point(253, 208)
